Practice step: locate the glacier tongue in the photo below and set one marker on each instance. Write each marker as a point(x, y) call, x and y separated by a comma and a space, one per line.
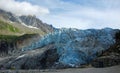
point(76, 47)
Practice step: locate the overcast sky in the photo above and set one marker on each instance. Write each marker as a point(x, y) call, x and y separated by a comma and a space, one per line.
point(82, 14)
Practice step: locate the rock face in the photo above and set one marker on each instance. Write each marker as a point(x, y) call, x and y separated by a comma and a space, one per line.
point(109, 57)
point(42, 58)
point(5, 47)
point(106, 61)
point(77, 47)
point(8, 16)
point(11, 46)
point(33, 21)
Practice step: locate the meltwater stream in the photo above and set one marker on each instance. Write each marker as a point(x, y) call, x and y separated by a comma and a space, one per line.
point(76, 47)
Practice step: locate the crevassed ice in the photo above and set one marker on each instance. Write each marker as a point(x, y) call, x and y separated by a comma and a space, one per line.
point(77, 47)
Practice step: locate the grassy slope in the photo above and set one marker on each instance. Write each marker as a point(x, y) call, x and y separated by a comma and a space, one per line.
point(9, 28)
point(13, 31)
point(6, 28)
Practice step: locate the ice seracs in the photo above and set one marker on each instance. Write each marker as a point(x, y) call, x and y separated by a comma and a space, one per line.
point(76, 47)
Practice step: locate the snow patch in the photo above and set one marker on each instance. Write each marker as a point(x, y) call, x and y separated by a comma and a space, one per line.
point(29, 26)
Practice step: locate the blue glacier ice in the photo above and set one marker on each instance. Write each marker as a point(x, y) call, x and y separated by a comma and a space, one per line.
point(76, 47)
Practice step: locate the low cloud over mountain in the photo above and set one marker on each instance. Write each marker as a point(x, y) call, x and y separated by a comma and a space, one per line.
point(22, 8)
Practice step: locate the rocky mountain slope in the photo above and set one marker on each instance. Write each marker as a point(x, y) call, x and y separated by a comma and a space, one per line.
point(16, 32)
point(25, 22)
point(111, 56)
point(35, 22)
point(68, 48)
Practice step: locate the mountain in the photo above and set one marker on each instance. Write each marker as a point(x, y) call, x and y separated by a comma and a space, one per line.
point(69, 48)
point(8, 16)
point(29, 22)
point(35, 22)
point(17, 32)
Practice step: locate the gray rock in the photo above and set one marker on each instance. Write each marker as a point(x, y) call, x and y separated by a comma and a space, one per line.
point(106, 61)
point(36, 59)
point(34, 21)
point(109, 57)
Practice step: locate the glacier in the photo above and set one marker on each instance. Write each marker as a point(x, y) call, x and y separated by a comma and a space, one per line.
point(77, 47)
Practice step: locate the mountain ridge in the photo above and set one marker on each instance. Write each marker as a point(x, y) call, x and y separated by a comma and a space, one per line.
point(14, 33)
point(28, 21)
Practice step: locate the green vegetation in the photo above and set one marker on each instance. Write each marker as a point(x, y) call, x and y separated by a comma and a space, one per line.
point(12, 32)
point(8, 38)
point(8, 27)
point(25, 36)
point(13, 38)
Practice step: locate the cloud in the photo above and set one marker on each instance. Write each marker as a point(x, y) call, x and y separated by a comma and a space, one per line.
point(80, 14)
point(22, 8)
point(60, 21)
point(90, 14)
